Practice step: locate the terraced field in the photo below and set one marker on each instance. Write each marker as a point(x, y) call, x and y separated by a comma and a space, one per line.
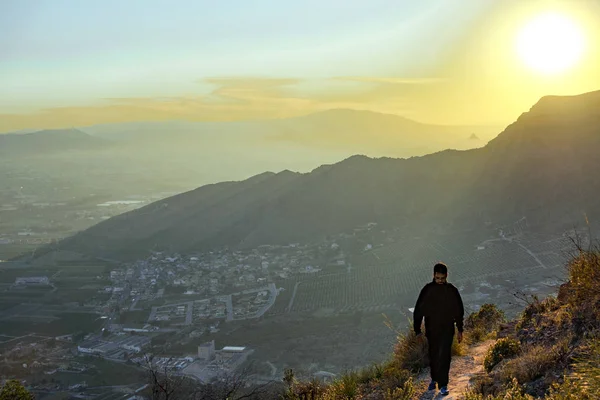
point(393, 274)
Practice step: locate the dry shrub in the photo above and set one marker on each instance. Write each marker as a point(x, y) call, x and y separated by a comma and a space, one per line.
point(535, 310)
point(582, 292)
point(534, 362)
point(411, 352)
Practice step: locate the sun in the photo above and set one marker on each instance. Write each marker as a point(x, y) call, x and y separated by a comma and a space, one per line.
point(551, 43)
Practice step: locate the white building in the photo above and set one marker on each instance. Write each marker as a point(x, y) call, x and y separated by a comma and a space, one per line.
point(135, 343)
point(94, 347)
point(228, 353)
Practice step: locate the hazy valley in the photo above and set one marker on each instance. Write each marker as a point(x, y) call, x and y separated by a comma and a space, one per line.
point(302, 269)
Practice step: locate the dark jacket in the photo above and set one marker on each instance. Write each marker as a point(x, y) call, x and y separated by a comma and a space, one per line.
point(442, 307)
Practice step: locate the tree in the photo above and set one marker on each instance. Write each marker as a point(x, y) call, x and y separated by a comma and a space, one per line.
point(13, 390)
point(166, 383)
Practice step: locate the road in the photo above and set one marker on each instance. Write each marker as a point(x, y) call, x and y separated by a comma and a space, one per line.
point(152, 314)
point(289, 307)
point(133, 304)
point(229, 308)
point(273, 368)
point(505, 239)
point(273, 290)
point(189, 315)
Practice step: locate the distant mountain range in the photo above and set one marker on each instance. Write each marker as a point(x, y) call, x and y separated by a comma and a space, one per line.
point(192, 154)
point(352, 131)
point(542, 167)
point(48, 142)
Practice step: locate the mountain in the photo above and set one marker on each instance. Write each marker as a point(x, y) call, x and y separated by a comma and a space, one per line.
point(350, 131)
point(192, 154)
point(48, 141)
point(386, 134)
point(542, 167)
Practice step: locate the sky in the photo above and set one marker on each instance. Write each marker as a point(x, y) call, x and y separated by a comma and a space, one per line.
point(85, 62)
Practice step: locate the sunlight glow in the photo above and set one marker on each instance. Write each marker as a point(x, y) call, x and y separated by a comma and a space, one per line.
point(550, 43)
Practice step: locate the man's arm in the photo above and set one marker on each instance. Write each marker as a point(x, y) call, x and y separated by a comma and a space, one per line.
point(418, 313)
point(460, 312)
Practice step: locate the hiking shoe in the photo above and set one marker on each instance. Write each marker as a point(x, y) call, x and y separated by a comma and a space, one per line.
point(444, 391)
point(431, 386)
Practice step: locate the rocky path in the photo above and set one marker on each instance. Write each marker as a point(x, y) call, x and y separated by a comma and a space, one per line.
point(462, 369)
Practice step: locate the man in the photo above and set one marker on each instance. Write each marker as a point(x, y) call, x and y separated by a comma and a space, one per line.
point(441, 305)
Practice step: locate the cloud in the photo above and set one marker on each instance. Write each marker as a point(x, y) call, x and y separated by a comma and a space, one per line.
point(230, 99)
point(259, 98)
point(251, 82)
point(390, 80)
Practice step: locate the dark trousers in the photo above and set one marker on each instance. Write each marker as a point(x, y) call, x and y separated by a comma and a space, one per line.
point(440, 348)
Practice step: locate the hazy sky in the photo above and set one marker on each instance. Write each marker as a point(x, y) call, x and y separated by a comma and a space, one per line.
point(82, 62)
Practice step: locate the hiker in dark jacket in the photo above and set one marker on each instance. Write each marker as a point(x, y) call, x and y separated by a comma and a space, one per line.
point(441, 305)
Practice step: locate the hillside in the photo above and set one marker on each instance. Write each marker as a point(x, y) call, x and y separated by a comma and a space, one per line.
point(551, 351)
point(539, 167)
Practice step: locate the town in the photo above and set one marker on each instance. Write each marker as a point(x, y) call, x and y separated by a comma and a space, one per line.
point(64, 321)
point(132, 308)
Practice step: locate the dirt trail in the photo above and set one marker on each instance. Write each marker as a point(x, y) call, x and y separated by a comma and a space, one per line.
point(462, 369)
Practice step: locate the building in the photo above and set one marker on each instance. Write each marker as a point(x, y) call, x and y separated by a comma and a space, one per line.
point(93, 347)
point(228, 353)
point(134, 343)
point(206, 351)
point(33, 280)
point(137, 329)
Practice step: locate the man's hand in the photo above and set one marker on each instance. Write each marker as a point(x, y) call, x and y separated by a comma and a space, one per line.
point(460, 337)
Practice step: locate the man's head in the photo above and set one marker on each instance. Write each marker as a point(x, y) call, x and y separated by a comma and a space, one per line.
point(440, 273)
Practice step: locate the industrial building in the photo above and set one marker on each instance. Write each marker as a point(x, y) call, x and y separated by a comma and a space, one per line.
point(206, 351)
point(230, 354)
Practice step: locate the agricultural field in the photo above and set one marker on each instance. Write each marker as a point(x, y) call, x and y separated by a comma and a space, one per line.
point(54, 309)
point(99, 373)
point(392, 274)
point(286, 290)
point(50, 323)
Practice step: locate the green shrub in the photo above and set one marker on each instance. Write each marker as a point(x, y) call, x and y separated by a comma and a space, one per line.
point(13, 390)
point(480, 324)
point(503, 348)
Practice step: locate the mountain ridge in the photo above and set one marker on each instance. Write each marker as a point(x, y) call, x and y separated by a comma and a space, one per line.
point(443, 192)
